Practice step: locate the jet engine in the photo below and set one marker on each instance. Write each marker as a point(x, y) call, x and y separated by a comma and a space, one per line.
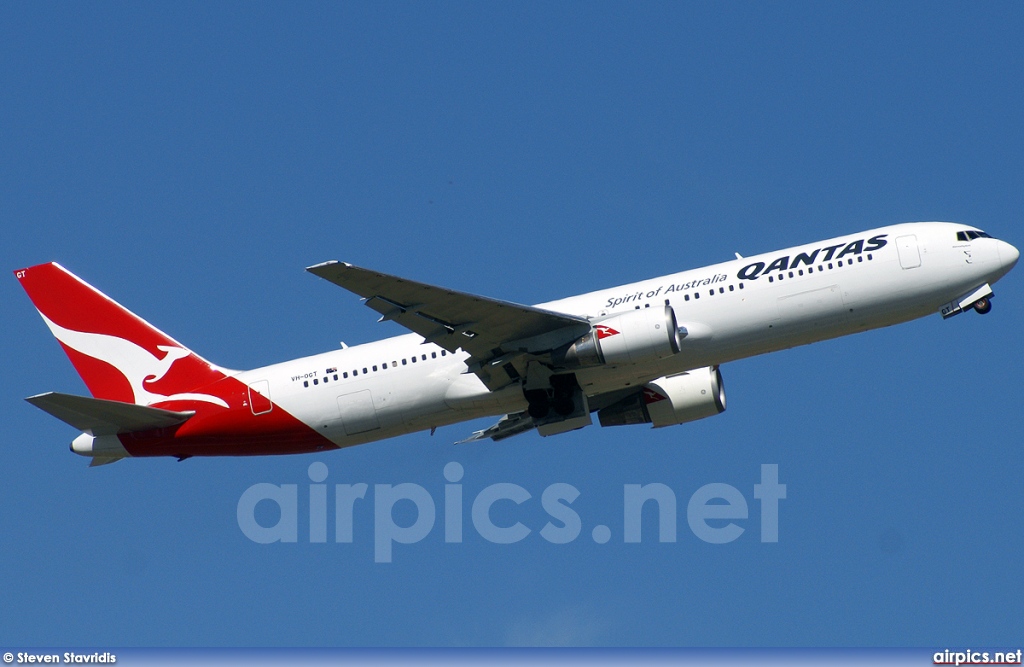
point(636, 336)
point(670, 400)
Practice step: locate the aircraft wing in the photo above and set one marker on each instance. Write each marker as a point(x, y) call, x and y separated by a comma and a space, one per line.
point(495, 333)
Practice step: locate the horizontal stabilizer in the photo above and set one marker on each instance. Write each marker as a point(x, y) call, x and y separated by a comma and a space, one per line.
point(103, 460)
point(102, 417)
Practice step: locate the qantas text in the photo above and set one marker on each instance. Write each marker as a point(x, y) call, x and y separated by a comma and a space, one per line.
point(758, 269)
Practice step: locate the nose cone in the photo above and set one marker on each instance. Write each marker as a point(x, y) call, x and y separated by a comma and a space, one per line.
point(1008, 255)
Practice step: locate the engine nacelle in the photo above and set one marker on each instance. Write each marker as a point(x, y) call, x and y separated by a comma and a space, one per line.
point(670, 400)
point(647, 334)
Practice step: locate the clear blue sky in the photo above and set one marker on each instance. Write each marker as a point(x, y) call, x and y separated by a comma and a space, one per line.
point(191, 159)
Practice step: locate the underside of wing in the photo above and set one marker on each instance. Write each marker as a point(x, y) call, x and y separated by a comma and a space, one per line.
point(496, 334)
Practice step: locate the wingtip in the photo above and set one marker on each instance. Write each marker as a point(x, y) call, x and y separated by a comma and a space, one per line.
point(316, 268)
point(477, 435)
point(313, 268)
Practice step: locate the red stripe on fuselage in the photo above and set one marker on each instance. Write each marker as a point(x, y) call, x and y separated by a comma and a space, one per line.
point(231, 431)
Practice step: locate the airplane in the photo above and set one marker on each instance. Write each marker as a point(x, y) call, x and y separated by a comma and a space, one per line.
point(644, 353)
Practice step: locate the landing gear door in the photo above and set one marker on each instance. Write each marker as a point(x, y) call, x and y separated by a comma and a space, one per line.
point(910, 254)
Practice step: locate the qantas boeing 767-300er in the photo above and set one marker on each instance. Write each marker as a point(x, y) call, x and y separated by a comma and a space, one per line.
point(648, 352)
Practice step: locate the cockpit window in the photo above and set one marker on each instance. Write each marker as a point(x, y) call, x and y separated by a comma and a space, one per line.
point(970, 235)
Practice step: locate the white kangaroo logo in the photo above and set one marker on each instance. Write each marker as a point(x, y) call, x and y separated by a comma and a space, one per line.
point(135, 363)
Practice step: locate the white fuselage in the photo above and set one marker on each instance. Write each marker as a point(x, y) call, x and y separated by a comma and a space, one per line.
point(730, 311)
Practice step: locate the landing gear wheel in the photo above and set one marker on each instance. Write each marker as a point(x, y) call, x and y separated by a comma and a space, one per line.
point(563, 405)
point(983, 305)
point(538, 410)
point(540, 404)
point(564, 387)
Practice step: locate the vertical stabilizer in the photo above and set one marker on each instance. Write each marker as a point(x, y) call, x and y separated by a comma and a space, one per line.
point(120, 356)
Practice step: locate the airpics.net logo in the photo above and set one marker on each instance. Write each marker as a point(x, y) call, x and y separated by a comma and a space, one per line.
point(716, 513)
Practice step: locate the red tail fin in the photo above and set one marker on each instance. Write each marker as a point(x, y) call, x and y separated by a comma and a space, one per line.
point(120, 356)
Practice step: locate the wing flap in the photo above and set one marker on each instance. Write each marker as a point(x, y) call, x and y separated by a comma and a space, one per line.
point(506, 427)
point(103, 417)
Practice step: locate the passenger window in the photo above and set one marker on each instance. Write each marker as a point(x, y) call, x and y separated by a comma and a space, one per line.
point(741, 285)
point(801, 272)
point(414, 360)
point(721, 290)
point(355, 373)
point(315, 381)
point(345, 375)
point(374, 369)
point(364, 371)
point(686, 297)
point(424, 357)
point(731, 288)
point(443, 353)
point(790, 274)
point(433, 355)
point(770, 279)
point(305, 383)
point(403, 362)
point(859, 258)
